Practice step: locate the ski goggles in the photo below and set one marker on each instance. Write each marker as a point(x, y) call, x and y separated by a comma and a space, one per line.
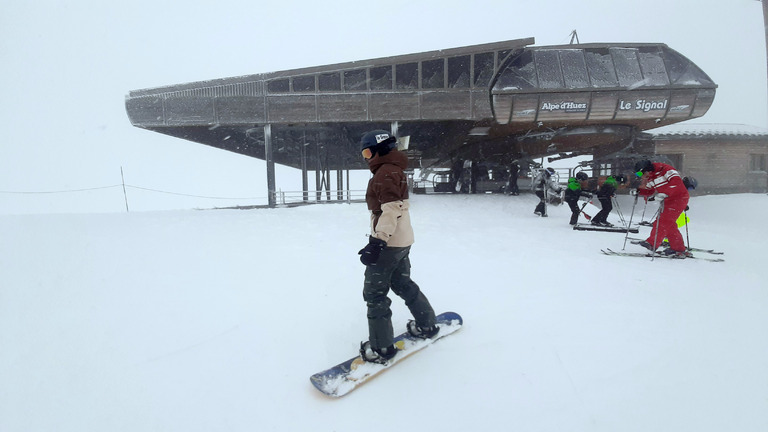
point(367, 153)
point(639, 173)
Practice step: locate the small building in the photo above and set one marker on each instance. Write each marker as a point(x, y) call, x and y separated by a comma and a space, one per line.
point(723, 158)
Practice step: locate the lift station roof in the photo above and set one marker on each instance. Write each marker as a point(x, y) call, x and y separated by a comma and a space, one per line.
point(495, 102)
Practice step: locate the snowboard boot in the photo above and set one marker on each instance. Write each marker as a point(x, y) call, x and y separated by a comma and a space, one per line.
point(421, 332)
point(376, 355)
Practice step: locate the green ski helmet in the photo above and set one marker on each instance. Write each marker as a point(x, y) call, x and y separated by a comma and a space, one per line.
point(610, 181)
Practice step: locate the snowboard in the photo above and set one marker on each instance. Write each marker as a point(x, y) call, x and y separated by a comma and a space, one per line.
point(347, 376)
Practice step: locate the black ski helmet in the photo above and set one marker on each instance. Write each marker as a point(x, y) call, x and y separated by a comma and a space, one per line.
point(549, 171)
point(377, 138)
point(581, 176)
point(644, 165)
point(690, 183)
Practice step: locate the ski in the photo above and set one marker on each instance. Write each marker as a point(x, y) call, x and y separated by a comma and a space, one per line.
point(650, 255)
point(615, 229)
point(666, 245)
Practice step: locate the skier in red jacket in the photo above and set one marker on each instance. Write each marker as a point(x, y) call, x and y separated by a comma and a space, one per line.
point(665, 183)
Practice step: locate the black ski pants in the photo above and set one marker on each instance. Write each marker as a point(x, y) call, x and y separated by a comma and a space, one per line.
point(575, 210)
point(392, 271)
point(602, 215)
point(541, 207)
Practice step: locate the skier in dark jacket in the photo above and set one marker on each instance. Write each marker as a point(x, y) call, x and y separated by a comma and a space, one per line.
point(572, 194)
point(605, 194)
point(514, 172)
point(386, 254)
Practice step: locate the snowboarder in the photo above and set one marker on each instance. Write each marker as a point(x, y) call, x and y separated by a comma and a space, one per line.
point(386, 254)
point(664, 182)
point(543, 184)
point(605, 194)
point(572, 194)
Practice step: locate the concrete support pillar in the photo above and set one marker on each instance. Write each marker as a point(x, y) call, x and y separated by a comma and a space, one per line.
point(304, 174)
point(272, 200)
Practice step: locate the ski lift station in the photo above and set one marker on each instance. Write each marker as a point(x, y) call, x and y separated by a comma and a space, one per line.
point(491, 104)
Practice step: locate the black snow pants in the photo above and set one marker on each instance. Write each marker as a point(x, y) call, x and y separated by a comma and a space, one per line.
point(575, 210)
point(602, 215)
point(392, 270)
point(541, 207)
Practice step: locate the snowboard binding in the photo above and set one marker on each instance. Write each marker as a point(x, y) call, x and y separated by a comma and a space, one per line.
point(421, 332)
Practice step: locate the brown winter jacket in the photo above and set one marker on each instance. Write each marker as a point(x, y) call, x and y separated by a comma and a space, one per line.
point(387, 199)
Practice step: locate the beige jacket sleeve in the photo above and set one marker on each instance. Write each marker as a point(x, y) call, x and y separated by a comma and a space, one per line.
point(394, 224)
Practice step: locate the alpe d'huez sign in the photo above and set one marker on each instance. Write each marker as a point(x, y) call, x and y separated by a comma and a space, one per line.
point(564, 106)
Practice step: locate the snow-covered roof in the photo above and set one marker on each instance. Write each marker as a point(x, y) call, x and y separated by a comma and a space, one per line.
point(699, 129)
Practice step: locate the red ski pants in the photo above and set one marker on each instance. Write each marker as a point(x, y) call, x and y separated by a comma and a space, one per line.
point(666, 224)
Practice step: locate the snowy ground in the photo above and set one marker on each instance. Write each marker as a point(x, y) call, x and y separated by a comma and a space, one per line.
point(214, 320)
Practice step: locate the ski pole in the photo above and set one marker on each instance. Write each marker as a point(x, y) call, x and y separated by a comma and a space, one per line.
point(656, 231)
point(687, 239)
point(630, 222)
point(618, 210)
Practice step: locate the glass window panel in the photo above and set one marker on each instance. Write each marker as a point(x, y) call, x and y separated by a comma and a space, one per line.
point(458, 72)
point(278, 86)
point(329, 81)
point(407, 76)
point(601, 70)
point(304, 84)
point(483, 69)
point(519, 74)
point(381, 78)
point(574, 69)
point(433, 74)
point(682, 71)
point(354, 80)
point(548, 69)
point(627, 66)
point(652, 66)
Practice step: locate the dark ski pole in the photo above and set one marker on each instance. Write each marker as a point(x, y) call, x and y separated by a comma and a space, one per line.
point(630, 220)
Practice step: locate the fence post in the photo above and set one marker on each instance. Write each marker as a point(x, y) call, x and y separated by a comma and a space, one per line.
point(125, 194)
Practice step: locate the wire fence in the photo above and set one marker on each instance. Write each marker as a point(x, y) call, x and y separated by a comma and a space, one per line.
point(283, 198)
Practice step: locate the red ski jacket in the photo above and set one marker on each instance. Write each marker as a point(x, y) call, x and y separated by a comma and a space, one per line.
point(663, 180)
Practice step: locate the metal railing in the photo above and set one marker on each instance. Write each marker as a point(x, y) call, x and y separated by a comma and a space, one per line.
point(318, 197)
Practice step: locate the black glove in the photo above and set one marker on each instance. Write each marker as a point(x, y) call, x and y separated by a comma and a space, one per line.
point(370, 253)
